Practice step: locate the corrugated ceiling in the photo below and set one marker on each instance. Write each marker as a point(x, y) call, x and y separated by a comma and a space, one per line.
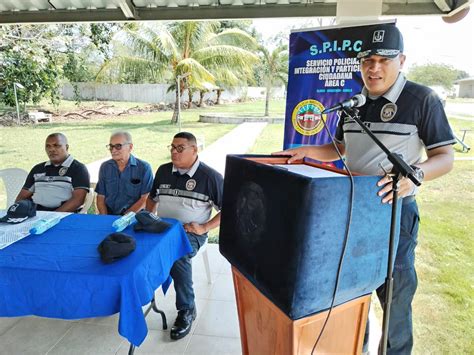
point(36, 11)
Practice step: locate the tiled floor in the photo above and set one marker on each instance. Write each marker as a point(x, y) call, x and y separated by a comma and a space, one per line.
point(215, 331)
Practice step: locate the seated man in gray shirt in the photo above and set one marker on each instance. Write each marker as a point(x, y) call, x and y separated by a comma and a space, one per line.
point(59, 184)
point(124, 181)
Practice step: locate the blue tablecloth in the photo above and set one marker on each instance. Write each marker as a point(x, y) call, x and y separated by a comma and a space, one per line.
point(59, 274)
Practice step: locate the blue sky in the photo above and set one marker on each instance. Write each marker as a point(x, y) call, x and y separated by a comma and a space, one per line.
point(428, 39)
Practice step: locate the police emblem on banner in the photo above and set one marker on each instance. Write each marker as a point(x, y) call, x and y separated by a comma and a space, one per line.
point(307, 117)
point(190, 184)
point(62, 171)
point(388, 112)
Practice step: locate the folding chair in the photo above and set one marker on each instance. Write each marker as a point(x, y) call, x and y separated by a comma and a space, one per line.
point(13, 179)
point(88, 201)
point(203, 251)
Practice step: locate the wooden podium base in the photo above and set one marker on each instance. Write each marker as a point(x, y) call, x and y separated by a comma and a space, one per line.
point(265, 329)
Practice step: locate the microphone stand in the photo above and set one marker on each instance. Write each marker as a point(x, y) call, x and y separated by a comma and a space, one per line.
point(400, 169)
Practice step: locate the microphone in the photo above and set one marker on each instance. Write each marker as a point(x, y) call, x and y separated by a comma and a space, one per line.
point(355, 101)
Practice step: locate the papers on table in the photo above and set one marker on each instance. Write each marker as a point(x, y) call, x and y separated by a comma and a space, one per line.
point(308, 170)
point(11, 233)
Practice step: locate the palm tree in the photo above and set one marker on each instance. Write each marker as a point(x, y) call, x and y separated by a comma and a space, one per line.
point(173, 50)
point(273, 69)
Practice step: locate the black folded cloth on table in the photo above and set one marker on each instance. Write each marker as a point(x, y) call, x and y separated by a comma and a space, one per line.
point(149, 222)
point(116, 246)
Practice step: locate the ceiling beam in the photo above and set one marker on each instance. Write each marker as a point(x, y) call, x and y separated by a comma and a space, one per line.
point(128, 9)
point(240, 12)
point(62, 16)
point(416, 9)
point(316, 9)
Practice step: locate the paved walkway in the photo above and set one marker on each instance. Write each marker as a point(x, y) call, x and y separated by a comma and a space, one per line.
point(238, 141)
point(460, 110)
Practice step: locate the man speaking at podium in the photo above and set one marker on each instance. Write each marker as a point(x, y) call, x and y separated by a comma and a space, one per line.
point(407, 118)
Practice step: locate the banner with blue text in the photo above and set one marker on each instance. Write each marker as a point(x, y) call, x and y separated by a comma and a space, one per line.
point(323, 71)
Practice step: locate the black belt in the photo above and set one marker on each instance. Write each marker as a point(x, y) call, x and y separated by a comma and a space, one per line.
point(408, 199)
point(44, 208)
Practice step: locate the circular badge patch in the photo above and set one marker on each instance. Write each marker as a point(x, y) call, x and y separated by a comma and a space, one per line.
point(307, 118)
point(62, 171)
point(190, 184)
point(388, 112)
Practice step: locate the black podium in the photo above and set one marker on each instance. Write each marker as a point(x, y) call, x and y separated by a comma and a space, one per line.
point(284, 231)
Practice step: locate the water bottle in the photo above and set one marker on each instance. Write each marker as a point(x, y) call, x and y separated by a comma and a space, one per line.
point(124, 221)
point(43, 225)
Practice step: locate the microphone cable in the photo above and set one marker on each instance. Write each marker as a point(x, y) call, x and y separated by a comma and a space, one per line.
point(346, 234)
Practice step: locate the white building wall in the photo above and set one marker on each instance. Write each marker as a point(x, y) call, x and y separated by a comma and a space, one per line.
point(156, 93)
point(466, 88)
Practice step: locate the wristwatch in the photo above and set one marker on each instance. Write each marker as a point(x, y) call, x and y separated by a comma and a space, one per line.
point(419, 173)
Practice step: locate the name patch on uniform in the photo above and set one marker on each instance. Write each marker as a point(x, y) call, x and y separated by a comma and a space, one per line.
point(190, 184)
point(388, 112)
point(165, 186)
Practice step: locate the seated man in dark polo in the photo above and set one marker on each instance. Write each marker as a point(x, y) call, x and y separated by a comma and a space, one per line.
point(59, 184)
point(187, 190)
point(124, 181)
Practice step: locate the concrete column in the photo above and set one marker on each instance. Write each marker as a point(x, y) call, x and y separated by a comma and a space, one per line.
point(358, 12)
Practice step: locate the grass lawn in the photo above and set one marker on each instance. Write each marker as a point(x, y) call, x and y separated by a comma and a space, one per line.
point(22, 146)
point(444, 303)
point(457, 125)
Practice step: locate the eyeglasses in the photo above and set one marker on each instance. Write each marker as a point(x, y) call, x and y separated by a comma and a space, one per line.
point(179, 148)
point(117, 146)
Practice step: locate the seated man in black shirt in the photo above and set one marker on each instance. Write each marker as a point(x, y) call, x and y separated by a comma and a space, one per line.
point(186, 189)
point(59, 184)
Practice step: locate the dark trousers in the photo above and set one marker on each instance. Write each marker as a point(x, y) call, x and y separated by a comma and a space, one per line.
point(400, 332)
point(182, 274)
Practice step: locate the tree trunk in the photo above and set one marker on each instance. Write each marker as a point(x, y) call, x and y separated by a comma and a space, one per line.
point(190, 101)
point(201, 98)
point(267, 101)
point(174, 118)
point(218, 92)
